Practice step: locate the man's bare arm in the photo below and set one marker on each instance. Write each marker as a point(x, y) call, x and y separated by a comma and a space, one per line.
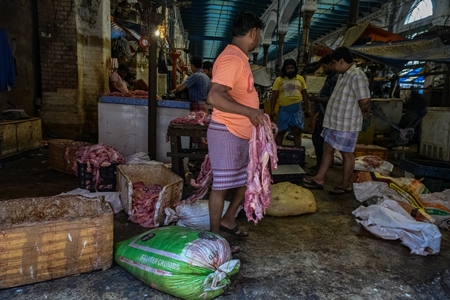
point(364, 105)
point(179, 88)
point(117, 87)
point(219, 98)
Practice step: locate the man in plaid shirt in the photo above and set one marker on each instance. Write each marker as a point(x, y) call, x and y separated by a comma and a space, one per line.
point(348, 106)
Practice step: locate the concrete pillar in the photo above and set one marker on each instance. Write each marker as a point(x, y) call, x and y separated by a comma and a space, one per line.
point(255, 57)
point(279, 63)
point(266, 54)
point(307, 15)
point(353, 13)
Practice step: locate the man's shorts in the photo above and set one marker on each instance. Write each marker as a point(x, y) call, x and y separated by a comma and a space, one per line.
point(290, 116)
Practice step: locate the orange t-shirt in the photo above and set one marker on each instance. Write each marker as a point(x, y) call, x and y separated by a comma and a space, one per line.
point(232, 69)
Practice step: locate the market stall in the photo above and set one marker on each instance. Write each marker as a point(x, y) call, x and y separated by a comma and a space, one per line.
point(123, 124)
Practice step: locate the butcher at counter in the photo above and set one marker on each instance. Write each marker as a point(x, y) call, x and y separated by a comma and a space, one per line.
point(235, 111)
point(198, 85)
point(117, 81)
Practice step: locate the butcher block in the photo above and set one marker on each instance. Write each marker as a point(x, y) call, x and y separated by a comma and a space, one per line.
point(52, 237)
point(158, 174)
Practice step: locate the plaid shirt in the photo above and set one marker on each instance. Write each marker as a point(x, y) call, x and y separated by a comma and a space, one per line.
point(198, 85)
point(343, 112)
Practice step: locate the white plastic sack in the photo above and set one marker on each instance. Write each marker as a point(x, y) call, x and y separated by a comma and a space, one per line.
point(374, 190)
point(422, 238)
point(375, 185)
point(140, 158)
point(438, 205)
point(338, 160)
point(112, 197)
point(192, 215)
point(361, 164)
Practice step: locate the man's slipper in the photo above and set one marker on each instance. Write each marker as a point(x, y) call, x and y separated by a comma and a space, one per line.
point(235, 231)
point(339, 191)
point(311, 184)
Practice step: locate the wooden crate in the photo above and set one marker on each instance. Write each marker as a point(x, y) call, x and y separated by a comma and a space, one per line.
point(149, 174)
point(62, 154)
point(361, 150)
point(52, 237)
point(57, 149)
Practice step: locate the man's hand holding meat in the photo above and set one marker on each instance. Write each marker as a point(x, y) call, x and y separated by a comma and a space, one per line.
point(235, 113)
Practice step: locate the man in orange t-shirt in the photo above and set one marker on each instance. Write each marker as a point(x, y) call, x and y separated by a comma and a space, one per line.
point(235, 111)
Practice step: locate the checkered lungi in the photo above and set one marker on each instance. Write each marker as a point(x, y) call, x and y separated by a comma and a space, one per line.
point(229, 157)
point(344, 141)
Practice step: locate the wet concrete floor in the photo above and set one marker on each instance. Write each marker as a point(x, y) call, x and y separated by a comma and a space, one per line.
point(325, 255)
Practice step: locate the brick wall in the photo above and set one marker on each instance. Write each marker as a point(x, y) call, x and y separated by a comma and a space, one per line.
point(74, 47)
point(57, 39)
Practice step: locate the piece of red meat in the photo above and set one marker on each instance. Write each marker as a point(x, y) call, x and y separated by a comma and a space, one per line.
point(144, 200)
point(262, 151)
point(96, 156)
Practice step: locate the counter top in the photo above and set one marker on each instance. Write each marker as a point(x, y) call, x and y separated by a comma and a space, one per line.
point(144, 102)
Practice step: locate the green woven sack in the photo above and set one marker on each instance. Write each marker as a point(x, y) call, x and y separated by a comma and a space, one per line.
point(183, 262)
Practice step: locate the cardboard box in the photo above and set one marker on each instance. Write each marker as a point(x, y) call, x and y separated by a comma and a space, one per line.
point(57, 149)
point(149, 174)
point(52, 237)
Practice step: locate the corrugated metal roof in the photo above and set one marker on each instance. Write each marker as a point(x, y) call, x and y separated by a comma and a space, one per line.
point(209, 23)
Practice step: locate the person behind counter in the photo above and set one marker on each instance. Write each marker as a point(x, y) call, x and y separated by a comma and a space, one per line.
point(198, 85)
point(207, 68)
point(117, 81)
point(137, 84)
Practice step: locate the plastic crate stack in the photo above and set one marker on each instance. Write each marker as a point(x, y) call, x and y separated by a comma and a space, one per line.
point(290, 163)
point(106, 177)
point(435, 174)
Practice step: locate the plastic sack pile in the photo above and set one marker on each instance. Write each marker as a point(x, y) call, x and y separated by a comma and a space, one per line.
point(179, 261)
point(397, 210)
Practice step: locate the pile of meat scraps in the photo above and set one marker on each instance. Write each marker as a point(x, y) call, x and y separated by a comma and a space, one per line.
point(144, 200)
point(203, 181)
point(263, 155)
point(132, 94)
point(95, 157)
point(193, 118)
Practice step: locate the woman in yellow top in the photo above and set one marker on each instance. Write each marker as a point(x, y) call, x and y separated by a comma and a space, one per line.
point(289, 90)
